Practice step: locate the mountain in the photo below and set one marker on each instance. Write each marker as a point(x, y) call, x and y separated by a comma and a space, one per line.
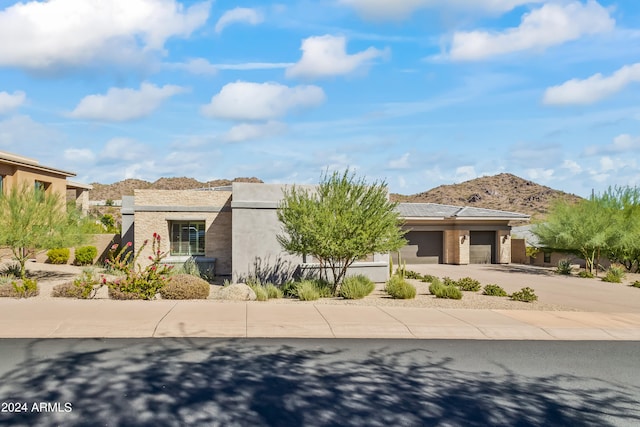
point(118, 189)
point(503, 192)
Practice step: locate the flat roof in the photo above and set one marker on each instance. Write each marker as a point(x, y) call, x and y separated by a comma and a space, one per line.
point(14, 159)
point(437, 211)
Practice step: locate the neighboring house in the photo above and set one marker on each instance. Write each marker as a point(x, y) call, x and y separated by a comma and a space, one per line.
point(16, 170)
point(235, 228)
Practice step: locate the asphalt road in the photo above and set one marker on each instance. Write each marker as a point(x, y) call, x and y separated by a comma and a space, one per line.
point(287, 382)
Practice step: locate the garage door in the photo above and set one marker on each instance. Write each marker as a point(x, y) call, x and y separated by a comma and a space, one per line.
point(424, 247)
point(482, 247)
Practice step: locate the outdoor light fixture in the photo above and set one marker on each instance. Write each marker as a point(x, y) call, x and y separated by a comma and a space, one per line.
point(463, 238)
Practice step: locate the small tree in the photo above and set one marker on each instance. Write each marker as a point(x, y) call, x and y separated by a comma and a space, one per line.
point(344, 220)
point(32, 220)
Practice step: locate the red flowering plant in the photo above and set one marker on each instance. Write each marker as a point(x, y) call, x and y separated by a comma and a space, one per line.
point(138, 282)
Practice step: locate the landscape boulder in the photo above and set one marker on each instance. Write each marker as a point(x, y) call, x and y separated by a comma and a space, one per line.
point(237, 292)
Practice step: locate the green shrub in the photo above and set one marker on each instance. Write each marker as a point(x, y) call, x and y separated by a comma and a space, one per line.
point(85, 286)
point(614, 274)
point(58, 255)
point(399, 288)
point(290, 289)
point(449, 292)
point(585, 274)
point(564, 267)
point(410, 274)
point(307, 290)
point(494, 291)
point(448, 281)
point(185, 286)
point(260, 291)
point(468, 284)
point(428, 278)
point(435, 286)
point(85, 255)
point(525, 295)
point(20, 288)
point(273, 292)
point(636, 284)
point(325, 289)
point(356, 287)
point(11, 270)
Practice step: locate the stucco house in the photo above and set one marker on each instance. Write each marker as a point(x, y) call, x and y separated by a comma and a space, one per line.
point(234, 228)
point(16, 170)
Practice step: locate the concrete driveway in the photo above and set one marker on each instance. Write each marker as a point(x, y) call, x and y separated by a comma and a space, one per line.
point(581, 294)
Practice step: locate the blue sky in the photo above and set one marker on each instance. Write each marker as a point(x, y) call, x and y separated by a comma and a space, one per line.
point(416, 92)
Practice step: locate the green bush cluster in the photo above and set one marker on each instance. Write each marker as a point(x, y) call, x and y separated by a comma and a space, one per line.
point(525, 295)
point(585, 274)
point(448, 281)
point(441, 290)
point(494, 291)
point(273, 292)
point(356, 287)
point(636, 284)
point(410, 274)
point(85, 286)
point(20, 288)
point(306, 290)
point(185, 286)
point(468, 284)
point(564, 267)
point(11, 270)
point(399, 288)
point(614, 274)
point(427, 278)
point(58, 255)
point(85, 255)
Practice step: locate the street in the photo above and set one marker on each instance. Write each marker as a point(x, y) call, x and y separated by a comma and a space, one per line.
point(314, 382)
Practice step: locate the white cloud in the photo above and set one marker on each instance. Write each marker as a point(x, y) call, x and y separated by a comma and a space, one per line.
point(261, 101)
point(465, 173)
point(550, 25)
point(9, 102)
point(124, 104)
point(539, 174)
point(31, 136)
point(247, 66)
point(248, 131)
point(239, 14)
point(63, 33)
point(621, 144)
point(400, 9)
point(607, 164)
point(592, 89)
point(327, 56)
point(400, 163)
point(572, 166)
point(197, 66)
point(124, 149)
point(79, 155)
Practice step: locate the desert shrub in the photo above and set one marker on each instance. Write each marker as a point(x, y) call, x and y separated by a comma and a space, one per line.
point(525, 295)
point(273, 292)
point(428, 278)
point(494, 291)
point(20, 288)
point(448, 292)
point(399, 288)
point(85, 286)
point(585, 274)
point(290, 289)
point(58, 255)
point(85, 255)
point(11, 270)
point(410, 274)
point(185, 286)
point(614, 274)
point(307, 290)
point(636, 284)
point(435, 286)
point(468, 284)
point(356, 287)
point(448, 281)
point(6, 279)
point(260, 291)
point(324, 288)
point(564, 267)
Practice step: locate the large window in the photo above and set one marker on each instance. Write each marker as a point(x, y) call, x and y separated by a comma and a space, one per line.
point(187, 237)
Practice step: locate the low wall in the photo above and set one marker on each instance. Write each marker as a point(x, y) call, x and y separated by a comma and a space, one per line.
point(376, 271)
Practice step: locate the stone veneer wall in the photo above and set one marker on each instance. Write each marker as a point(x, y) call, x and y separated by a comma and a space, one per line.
point(154, 209)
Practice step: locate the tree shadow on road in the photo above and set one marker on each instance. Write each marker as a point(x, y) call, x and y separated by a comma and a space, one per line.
point(176, 382)
point(522, 269)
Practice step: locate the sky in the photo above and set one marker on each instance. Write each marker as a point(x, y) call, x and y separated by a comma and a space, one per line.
point(416, 93)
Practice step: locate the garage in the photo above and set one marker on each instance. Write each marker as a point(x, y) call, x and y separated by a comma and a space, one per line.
point(423, 247)
point(482, 247)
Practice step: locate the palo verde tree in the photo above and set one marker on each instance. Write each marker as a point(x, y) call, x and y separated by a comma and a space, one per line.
point(623, 207)
point(583, 228)
point(32, 220)
point(344, 219)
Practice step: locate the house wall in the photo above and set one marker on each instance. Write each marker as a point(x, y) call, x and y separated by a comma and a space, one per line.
point(519, 251)
point(14, 175)
point(155, 209)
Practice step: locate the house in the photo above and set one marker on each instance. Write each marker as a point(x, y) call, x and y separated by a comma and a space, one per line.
point(15, 170)
point(235, 229)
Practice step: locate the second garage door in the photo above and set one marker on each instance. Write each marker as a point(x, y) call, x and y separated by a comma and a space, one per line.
point(424, 247)
point(483, 247)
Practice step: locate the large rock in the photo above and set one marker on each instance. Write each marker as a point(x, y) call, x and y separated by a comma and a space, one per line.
point(237, 292)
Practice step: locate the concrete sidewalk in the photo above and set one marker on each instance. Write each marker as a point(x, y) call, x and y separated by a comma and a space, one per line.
point(144, 319)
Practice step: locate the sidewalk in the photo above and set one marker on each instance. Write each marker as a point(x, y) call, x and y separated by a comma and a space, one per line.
point(144, 319)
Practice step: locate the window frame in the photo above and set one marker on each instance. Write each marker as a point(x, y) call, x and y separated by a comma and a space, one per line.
point(178, 246)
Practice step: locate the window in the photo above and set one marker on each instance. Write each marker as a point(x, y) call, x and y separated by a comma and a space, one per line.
point(187, 237)
point(41, 189)
point(547, 257)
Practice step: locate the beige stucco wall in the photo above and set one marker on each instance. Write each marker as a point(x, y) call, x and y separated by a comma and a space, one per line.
point(14, 176)
point(519, 251)
point(503, 247)
point(155, 209)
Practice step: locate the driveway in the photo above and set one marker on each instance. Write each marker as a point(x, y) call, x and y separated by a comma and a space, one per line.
point(581, 294)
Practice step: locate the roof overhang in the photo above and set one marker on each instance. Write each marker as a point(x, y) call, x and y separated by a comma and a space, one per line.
point(26, 162)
